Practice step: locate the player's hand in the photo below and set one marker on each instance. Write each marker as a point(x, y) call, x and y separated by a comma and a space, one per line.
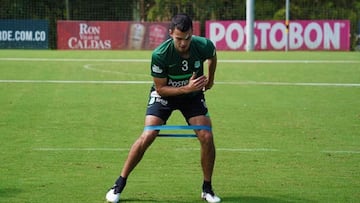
point(196, 84)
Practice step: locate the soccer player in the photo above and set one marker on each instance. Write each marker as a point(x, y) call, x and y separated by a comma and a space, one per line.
point(178, 84)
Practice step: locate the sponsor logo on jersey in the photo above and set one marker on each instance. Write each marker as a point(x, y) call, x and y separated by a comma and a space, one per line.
point(156, 69)
point(197, 64)
point(161, 101)
point(179, 83)
point(155, 97)
point(154, 94)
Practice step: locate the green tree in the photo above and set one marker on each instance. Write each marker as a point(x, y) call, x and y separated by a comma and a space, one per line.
point(163, 10)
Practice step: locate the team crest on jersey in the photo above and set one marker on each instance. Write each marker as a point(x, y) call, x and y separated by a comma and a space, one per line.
point(156, 69)
point(197, 64)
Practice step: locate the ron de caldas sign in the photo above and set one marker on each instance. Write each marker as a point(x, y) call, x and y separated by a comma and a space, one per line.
point(106, 35)
point(272, 35)
point(101, 35)
point(24, 34)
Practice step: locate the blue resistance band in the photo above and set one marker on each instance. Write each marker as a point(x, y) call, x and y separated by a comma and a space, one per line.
point(177, 127)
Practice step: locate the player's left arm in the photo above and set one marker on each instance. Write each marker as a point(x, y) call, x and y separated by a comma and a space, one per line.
point(211, 65)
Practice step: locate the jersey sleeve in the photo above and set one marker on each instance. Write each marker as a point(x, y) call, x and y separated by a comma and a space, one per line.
point(211, 48)
point(158, 69)
point(206, 48)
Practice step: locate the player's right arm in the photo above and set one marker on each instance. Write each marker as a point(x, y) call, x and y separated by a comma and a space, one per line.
point(164, 90)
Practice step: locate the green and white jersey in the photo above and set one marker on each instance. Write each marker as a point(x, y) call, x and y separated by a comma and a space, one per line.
point(167, 63)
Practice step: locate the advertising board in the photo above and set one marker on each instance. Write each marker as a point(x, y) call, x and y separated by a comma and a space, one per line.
point(112, 35)
point(24, 34)
point(271, 35)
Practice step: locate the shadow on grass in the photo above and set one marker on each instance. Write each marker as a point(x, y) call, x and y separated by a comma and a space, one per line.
point(149, 200)
point(9, 192)
point(252, 199)
point(247, 199)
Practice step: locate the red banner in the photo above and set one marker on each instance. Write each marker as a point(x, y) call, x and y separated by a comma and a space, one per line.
point(106, 35)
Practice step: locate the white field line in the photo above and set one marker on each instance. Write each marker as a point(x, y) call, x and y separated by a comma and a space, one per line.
point(79, 149)
point(291, 61)
point(75, 60)
point(187, 149)
point(148, 60)
point(90, 67)
point(233, 149)
point(177, 149)
point(76, 81)
point(150, 82)
point(290, 84)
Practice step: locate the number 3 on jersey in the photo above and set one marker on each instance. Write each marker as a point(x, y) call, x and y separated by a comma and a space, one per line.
point(185, 66)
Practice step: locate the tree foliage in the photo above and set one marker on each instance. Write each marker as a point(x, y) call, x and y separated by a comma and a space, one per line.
point(163, 10)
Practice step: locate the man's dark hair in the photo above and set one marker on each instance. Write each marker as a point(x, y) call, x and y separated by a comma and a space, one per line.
point(182, 22)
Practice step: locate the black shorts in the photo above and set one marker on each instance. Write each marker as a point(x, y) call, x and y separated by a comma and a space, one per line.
point(188, 106)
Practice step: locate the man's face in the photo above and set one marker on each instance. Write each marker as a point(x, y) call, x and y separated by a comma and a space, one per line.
point(181, 40)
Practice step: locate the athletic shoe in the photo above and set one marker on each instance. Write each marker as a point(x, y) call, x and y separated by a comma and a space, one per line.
point(113, 195)
point(210, 197)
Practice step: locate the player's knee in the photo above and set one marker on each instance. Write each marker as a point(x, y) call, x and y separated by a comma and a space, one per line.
point(147, 137)
point(205, 136)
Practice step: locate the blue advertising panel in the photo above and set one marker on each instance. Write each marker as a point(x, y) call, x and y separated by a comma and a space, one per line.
point(24, 34)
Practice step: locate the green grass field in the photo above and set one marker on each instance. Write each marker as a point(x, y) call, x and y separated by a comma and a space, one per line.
point(286, 125)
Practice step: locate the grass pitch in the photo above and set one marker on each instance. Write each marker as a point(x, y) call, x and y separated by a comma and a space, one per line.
point(286, 125)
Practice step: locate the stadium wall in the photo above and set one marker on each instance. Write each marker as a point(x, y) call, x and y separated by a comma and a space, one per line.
point(226, 35)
